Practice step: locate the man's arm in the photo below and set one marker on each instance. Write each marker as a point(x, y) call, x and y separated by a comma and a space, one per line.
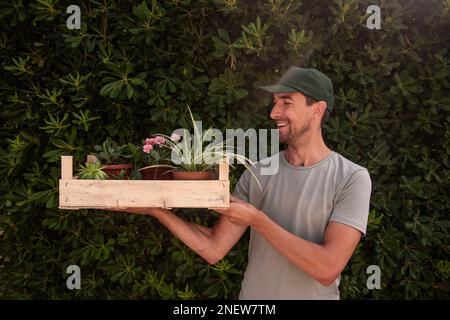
point(324, 262)
point(212, 244)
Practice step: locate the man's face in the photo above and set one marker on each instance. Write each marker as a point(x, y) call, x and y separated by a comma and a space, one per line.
point(292, 116)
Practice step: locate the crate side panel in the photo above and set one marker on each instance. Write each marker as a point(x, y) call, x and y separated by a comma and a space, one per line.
point(120, 194)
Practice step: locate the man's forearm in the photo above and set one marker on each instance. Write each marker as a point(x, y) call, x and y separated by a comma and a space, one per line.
point(196, 237)
point(311, 257)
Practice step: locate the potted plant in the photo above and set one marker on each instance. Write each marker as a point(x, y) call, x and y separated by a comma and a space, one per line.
point(194, 164)
point(153, 151)
point(114, 158)
point(189, 168)
point(92, 171)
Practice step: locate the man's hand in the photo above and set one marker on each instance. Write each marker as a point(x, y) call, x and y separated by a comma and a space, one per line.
point(240, 212)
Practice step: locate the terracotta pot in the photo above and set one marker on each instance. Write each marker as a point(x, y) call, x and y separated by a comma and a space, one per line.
point(192, 175)
point(113, 170)
point(156, 173)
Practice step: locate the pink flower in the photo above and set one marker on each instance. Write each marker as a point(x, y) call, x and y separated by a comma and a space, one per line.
point(160, 140)
point(147, 148)
point(156, 140)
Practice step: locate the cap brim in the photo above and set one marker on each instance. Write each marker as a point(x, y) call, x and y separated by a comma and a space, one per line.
point(278, 88)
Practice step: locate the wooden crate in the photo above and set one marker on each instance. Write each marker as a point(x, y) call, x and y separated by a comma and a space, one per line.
point(77, 194)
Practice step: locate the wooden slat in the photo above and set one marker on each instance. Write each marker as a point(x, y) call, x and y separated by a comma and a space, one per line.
point(224, 170)
point(66, 167)
point(76, 194)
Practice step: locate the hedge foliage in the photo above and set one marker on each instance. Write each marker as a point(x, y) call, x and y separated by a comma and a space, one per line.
point(134, 67)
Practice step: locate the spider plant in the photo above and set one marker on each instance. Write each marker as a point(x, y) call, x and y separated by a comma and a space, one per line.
point(204, 159)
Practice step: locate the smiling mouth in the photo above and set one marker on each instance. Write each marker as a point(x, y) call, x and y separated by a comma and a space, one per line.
point(281, 125)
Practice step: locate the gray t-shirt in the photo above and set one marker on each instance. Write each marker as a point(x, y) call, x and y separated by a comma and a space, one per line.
point(301, 200)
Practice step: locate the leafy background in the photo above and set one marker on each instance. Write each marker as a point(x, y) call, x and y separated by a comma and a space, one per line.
point(134, 67)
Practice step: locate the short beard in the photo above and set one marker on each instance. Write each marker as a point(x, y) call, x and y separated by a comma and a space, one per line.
point(301, 136)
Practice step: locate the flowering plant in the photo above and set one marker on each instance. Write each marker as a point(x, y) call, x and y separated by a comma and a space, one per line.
point(156, 150)
point(153, 150)
point(186, 158)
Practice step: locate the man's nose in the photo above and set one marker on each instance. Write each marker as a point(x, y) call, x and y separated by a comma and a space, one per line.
point(275, 112)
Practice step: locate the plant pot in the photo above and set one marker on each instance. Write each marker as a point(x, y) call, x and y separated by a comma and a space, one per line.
point(192, 175)
point(112, 170)
point(156, 173)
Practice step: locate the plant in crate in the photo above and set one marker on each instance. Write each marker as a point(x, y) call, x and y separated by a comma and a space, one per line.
point(200, 164)
point(92, 171)
point(155, 154)
point(116, 159)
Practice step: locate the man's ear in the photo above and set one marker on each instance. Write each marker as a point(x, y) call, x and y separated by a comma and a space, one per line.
point(319, 108)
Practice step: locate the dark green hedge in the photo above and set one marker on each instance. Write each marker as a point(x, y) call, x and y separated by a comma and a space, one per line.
point(392, 91)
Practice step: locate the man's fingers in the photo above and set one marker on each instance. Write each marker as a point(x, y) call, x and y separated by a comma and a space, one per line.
point(234, 221)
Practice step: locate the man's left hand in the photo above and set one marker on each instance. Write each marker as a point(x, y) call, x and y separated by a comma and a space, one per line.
point(240, 212)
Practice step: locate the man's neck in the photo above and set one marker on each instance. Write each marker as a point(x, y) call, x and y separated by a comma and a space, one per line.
point(306, 154)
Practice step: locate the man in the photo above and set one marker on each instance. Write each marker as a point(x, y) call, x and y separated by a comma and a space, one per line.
point(306, 220)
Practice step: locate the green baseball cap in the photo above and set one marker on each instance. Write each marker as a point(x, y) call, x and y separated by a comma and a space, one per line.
point(310, 82)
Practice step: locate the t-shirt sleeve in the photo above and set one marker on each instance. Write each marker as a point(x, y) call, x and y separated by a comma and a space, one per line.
point(241, 190)
point(352, 205)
